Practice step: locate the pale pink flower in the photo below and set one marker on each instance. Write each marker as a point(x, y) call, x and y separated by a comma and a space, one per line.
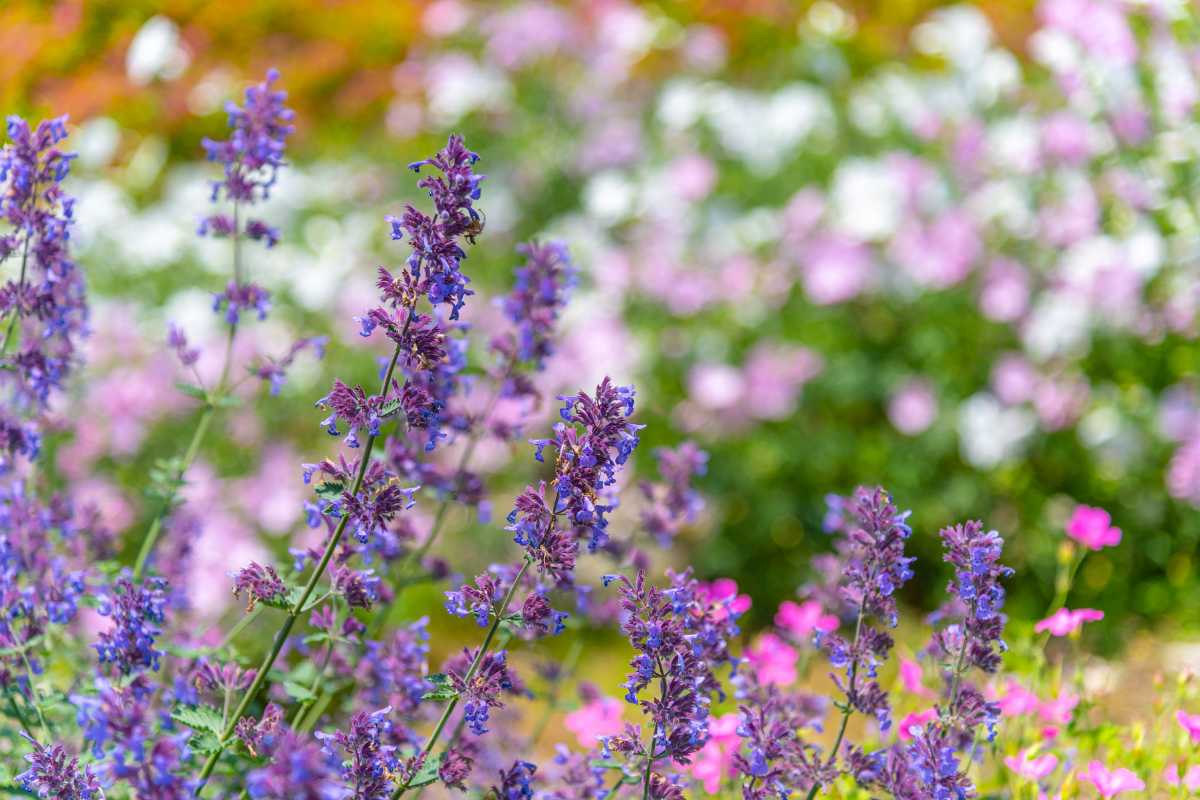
point(1017, 700)
point(916, 719)
point(913, 408)
point(600, 717)
point(1059, 710)
point(1190, 723)
point(801, 619)
point(1004, 296)
point(773, 660)
point(1032, 767)
point(910, 678)
point(1110, 783)
point(692, 176)
point(714, 763)
point(1065, 621)
point(835, 269)
point(1092, 527)
point(1190, 780)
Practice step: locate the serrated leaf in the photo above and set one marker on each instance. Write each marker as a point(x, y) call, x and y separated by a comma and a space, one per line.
point(428, 773)
point(330, 490)
point(298, 691)
point(205, 743)
point(390, 407)
point(227, 401)
point(201, 718)
point(443, 689)
point(606, 764)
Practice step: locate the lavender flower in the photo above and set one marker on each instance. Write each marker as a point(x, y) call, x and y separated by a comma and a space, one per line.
point(137, 612)
point(371, 762)
point(594, 440)
point(516, 782)
point(977, 574)
point(252, 155)
point(43, 310)
point(774, 759)
point(436, 254)
point(274, 371)
point(482, 693)
point(261, 584)
point(298, 769)
point(55, 774)
point(538, 296)
point(673, 503)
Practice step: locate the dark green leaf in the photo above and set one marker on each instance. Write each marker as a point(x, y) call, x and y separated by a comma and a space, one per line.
point(201, 718)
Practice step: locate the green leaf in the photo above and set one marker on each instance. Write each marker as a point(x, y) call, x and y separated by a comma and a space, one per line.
point(201, 718)
point(443, 689)
point(298, 692)
point(192, 391)
point(330, 490)
point(390, 407)
point(205, 743)
point(428, 773)
point(227, 401)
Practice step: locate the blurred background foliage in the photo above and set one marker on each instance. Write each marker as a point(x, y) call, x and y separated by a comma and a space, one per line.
point(565, 125)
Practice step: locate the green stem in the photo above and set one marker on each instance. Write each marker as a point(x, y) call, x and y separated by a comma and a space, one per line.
point(471, 670)
point(650, 759)
point(260, 678)
point(312, 690)
point(568, 667)
point(19, 714)
point(848, 709)
point(12, 322)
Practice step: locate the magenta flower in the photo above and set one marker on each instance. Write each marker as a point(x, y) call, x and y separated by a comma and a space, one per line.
point(911, 676)
point(1110, 783)
point(1190, 723)
point(714, 763)
point(1093, 528)
point(802, 619)
point(1032, 767)
point(1190, 779)
point(1065, 622)
point(917, 719)
point(773, 660)
point(1059, 710)
point(723, 593)
point(600, 717)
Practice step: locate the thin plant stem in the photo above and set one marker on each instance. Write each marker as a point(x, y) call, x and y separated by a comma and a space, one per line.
point(306, 704)
point(260, 678)
point(20, 715)
point(471, 670)
point(12, 322)
point(650, 759)
point(568, 667)
point(848, 709)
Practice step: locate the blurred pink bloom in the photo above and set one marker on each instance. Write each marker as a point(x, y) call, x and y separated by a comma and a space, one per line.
point(1017, 700)
point(1060, 402)
point(1183, 473)
point(1190, 723)
point(1131, 124)
point(1110, 783)
point(714, 762)
point(715, 386)
point(913, 408)
point(802, 619)
point(835, 269)
point(910, 678)
point(915, 719)
point(1072, 218)
point(1059, 710)
point(600, 717)
point(1190, 781)
point(1065, 621)
point(1092, 527)
point(773, 377)
point(692, 176)
point(1014, 379)
point(526, 32)
point(1032, 767)
point(1066, 138)
point(1004, 296)
point(773, 660)
point(723, 593)
point(939, 254)
point(1098, 25)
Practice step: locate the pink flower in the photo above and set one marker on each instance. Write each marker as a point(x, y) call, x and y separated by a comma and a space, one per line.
point(1093, 528)
point(1110, 783)
point(1191, 779)
point(1065, 621)
point(714, 762)
point(723, 593)
point(910, 678)
point(1190, 723)
point(801, 619)
point(773, 660)
point(1032, 767)
point(913, 408)
point(916, 719)
point(600, 717)
point(1059, 710)
point(1018, 701)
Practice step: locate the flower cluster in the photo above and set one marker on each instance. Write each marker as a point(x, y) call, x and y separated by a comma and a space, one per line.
point(138, 612)
point(538, 296)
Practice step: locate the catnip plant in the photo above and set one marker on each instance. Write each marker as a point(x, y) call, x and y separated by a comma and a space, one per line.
point(342, 701)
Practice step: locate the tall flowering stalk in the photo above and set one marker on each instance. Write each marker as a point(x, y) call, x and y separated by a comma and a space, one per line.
point(364, 492)
point(251, 159)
